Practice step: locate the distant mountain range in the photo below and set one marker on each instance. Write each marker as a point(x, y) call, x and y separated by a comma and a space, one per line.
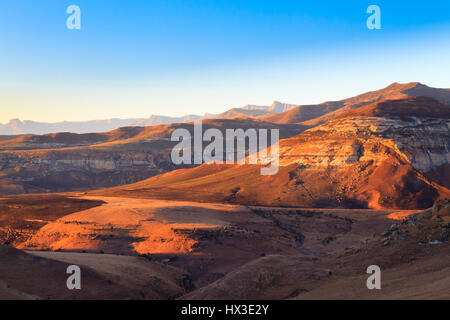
point(382, 149)
point(278, 112)
point(18, 127)
point(313, 115)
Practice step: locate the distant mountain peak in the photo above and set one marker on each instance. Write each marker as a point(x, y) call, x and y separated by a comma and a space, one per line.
point(408, 108)
point(412, 83)
point(279, 107)
point(17, 120)
point(278, 112)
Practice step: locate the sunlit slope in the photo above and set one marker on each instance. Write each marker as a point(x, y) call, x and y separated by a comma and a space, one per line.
point(313, 115)
point(66, 161)
point(379, 156)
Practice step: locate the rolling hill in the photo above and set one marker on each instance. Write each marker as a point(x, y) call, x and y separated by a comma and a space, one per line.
point(312, 115)
point(378, 156)
point(68, 161)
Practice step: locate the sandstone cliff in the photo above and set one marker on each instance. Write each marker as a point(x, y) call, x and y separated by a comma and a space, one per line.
point(379, 156)
point(67, 161)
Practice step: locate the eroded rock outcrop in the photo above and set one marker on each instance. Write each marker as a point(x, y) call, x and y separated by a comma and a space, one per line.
point(378, 156)
point(67, 161)
point(373, 134)
point(441, 210)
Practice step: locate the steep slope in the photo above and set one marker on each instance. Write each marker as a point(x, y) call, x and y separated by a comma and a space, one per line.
point(312, 115)
point(303, 113)
point(43, 276)
point(67, 161)
point(374, 157)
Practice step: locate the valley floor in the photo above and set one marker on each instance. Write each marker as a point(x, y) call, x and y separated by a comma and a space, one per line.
point(158, 249)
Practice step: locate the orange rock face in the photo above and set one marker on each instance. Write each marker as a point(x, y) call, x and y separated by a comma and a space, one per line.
point(378, 156)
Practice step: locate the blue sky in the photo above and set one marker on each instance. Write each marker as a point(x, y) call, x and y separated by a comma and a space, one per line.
point(140, 57)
